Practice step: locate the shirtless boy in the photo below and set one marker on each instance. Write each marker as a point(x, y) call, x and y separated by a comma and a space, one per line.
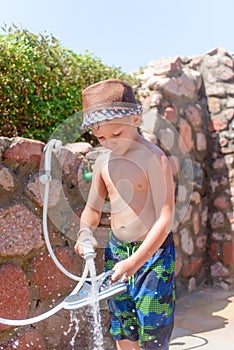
point(136, 177)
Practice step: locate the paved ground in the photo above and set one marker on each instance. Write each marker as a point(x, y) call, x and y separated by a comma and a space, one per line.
point(204, 320)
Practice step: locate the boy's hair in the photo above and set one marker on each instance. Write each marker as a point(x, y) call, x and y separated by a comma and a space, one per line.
point(106, 100)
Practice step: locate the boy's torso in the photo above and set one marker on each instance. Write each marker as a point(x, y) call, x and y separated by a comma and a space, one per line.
point(133, 210)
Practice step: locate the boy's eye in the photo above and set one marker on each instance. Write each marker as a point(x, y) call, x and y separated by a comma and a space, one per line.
point(118, 134)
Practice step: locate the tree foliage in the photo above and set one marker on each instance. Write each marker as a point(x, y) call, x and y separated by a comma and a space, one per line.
point(41, 82)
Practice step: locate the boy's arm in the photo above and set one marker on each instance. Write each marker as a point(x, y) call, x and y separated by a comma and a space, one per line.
point(159, 231)
point(92, 212)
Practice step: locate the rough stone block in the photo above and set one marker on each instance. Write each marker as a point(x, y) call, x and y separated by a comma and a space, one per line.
point(47, 277)
point(219, 270)
point(194, 114)
point(201, 141)
point(14, 293)
point(217, 220)
point(228, 253)
point(196, 222)
point(35, 191)
point(25, 150)
point(214, 251)
point(221, 202)
point(6, 179)
point(170, 113)
point(192, 267)
point(186, 241)
point(185, 140)
point(21, 231)
point(31, 339)
point(70, 159)
point(201, 242)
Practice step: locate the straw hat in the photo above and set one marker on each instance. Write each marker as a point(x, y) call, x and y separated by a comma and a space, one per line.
point(106, 100)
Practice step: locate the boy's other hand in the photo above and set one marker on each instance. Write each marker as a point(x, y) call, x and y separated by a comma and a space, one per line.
point(123, 270)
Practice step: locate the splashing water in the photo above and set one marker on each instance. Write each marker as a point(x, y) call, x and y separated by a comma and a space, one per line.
point(95, 309)
point(73, 320)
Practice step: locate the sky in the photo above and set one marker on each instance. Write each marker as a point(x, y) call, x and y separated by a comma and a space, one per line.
point(128, 33)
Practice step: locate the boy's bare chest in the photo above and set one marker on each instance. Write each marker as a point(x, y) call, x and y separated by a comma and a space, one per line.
point(123, 174)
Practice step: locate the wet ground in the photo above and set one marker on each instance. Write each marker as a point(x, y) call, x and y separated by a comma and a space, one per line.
point(204, 320)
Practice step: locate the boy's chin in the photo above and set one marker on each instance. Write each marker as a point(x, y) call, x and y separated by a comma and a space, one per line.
point(119, 152)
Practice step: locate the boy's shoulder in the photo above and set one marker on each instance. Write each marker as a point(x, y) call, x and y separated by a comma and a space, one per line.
point(152, 148)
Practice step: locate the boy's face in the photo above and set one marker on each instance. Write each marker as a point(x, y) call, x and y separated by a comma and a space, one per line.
point(117, 134)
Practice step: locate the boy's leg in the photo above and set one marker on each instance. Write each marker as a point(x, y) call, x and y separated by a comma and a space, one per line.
point(155, 300)
point(127, 345)
point(124, 323)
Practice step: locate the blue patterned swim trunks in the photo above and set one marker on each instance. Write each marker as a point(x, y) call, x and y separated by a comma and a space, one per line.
point(145, 313)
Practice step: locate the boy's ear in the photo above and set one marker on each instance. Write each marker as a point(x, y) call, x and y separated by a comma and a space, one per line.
point(136, 119)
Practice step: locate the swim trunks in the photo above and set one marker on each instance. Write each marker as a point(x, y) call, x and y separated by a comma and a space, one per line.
point(145, 313)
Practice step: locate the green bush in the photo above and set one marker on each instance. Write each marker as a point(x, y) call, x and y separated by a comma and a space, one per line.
point(41, 82)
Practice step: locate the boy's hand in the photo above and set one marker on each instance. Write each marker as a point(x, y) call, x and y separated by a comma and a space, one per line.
point(123, 270)
point(84, 236)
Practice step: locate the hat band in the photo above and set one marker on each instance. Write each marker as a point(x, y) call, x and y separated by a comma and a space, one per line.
point(112, 106)
point(101, 115)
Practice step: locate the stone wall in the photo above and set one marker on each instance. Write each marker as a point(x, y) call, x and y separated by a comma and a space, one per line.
point(188, 110)
point(30, 282)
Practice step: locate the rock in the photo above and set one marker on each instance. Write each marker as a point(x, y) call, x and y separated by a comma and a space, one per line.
point(21, 231)
point(221, 202)
point(194, 114)
point(35, 191)
point(219, 123)
point(166, 137)
point(224, 73)
point(196, 222)
point(70, 158)
point(185, 140)
point(217, 220)
point(48, 278)
point(14, 293)
point(228, 253)
point(149, 121)
point(6, 179)
point(174, 162)
point(192, 267)
point(78, 147)
point(166, 66)
point(24, 150)
point(186, 86)
point(201, 242)
point(214, 251)
point(170, 113)
point(195, 197)
point(186, 241)
point(218, 270)
point(201, 141)
point(31, 339)
point(214, 106)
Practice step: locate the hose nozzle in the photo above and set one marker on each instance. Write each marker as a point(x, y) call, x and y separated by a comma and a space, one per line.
point(88, 249)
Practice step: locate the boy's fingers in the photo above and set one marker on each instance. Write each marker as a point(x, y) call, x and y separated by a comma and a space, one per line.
point(117, 275)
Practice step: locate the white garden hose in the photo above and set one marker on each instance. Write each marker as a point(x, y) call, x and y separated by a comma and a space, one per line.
point(52, 145)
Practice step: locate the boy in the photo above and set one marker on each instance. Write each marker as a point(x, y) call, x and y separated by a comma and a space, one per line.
point(136, 176)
